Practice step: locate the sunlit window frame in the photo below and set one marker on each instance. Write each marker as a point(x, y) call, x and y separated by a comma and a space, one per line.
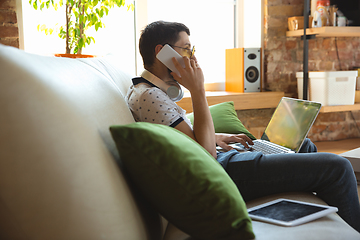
point(141, 21)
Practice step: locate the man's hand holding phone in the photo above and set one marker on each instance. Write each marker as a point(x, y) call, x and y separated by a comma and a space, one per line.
point(191, 76)
point(184, 70)
point(165, 56)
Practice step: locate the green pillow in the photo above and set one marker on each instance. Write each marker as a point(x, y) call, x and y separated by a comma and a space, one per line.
point(182, 181)
point(225, 119)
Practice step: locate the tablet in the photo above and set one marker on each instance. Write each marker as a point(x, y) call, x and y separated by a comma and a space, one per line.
point(287, 212)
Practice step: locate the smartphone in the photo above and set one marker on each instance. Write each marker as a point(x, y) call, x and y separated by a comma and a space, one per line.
point(165, 56)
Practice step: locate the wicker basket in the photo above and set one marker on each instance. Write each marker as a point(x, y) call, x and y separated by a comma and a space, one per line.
point(296, 23)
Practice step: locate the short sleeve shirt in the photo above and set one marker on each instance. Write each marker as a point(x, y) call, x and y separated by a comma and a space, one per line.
point(149, 103)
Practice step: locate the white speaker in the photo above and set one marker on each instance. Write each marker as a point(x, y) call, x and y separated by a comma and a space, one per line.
point(243, 70)
point(252, 69)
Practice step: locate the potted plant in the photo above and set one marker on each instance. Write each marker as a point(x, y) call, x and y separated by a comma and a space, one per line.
point(80, 16)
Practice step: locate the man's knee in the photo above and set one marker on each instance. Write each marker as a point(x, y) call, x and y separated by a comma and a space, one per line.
point(341, 164)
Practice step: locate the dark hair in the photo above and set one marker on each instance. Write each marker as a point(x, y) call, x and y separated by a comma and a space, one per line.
point(159, 32)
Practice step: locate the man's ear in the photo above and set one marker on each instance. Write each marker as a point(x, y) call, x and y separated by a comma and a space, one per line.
point(158, 48)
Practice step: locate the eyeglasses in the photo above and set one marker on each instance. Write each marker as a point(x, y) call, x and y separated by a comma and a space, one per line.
point(189, 52)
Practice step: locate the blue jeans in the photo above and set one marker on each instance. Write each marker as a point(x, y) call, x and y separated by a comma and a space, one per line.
point(330, 176)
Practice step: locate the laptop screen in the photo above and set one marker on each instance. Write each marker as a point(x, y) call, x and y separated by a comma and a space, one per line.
point(291, 122)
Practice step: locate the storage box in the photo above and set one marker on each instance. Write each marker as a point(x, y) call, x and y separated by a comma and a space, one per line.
point(329, 88)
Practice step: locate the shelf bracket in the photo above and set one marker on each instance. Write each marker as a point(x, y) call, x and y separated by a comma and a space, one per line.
point(312, 36)
point(306, 50)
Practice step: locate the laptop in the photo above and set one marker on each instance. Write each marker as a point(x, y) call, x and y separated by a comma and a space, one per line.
point(287, 129)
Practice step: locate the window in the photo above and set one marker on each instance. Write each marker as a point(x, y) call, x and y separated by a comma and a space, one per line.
point(252, 23)
point(211, 24)
point(118, 36)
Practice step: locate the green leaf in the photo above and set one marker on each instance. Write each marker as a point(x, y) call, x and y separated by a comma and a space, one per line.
point(94, 19)
point(97, 25)
point(81, 43)
point(121, 3)
point(35, 4)
point(131, 7)
point(42, 6)
point(77, 32)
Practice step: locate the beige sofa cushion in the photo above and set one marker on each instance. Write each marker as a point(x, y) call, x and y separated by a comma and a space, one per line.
point(331, 227)
point(58, 175)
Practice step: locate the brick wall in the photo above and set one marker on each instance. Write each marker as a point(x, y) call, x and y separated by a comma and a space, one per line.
point(336, 126)
point(327, 127)
point(283, 57)
point(255, 120)
point(9, 34)
point(280, 53)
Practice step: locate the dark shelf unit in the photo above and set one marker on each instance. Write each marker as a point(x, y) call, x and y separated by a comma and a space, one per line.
point(306, 38)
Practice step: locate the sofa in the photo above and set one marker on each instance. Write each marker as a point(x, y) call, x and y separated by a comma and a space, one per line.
point(61, 175)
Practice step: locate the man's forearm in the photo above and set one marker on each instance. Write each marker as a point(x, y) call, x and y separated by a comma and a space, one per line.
point(203, 125)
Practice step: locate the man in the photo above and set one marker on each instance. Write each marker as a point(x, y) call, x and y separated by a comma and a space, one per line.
point(330, 176)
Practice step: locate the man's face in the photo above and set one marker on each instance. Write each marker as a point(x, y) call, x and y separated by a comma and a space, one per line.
point(183, 45)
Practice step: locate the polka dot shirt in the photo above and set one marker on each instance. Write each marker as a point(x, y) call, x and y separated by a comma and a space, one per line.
point(148, 103)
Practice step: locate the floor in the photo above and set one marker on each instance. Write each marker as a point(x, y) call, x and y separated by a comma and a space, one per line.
point(338, 147)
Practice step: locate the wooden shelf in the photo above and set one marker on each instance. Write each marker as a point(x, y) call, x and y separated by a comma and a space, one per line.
point(344, 108)
point(242, 101)
point(340, 108)
point(338, 146)
point(327, 32)
point(258, 100)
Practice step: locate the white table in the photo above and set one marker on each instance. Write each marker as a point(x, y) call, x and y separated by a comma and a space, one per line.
point(354, 157)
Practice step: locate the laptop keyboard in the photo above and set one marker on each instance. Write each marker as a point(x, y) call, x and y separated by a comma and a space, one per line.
point(268, 148)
